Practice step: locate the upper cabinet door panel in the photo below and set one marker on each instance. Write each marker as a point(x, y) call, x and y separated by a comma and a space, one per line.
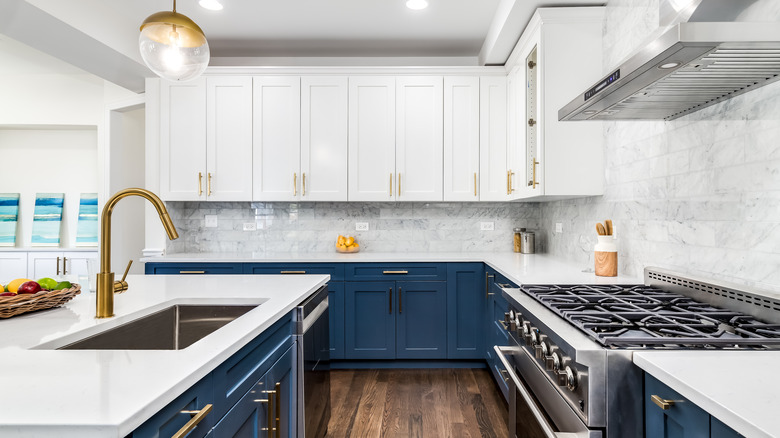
point(229, 138)
point(419, 144)
point(371, 138)
point(183, 140)
point(494, 179)
point(323, 138)
point(276, 121)
point(461, 138)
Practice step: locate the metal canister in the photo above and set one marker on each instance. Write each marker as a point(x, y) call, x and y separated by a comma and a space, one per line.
point(518, 239)
point(527, 242)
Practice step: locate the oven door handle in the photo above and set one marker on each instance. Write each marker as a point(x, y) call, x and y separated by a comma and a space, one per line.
point(517, 386)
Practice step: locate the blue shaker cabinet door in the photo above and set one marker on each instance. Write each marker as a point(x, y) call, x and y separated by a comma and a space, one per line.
point(421, 331)
point(369, 320)
point(682, 419)
point(336, 319)
point(465, 308)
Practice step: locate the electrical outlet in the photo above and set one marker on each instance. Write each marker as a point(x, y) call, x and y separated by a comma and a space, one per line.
point(487, 226)
point(361, 226)
point(211, 221)
point(558, 227)
point(250, 226)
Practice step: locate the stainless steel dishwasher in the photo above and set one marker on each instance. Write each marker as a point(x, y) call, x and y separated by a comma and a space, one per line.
point(313, 341)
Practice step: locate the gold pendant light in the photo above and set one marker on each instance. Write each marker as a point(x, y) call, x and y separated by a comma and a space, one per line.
point(173, 46)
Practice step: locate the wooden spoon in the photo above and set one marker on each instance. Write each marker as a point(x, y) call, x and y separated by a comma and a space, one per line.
point(609, 227)
point(600, 229)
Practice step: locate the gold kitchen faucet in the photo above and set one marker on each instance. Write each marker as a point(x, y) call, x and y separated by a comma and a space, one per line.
point(106, 286)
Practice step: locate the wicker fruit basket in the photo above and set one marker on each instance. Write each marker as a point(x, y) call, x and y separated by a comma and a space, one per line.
point(23, 303)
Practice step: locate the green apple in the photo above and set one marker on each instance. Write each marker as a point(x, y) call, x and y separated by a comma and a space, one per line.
point(63, 285)
point(47, 283)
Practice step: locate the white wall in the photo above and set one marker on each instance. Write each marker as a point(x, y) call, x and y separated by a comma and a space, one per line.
point(48, 161)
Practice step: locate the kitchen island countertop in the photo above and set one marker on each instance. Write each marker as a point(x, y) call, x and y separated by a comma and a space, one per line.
point(83, 393)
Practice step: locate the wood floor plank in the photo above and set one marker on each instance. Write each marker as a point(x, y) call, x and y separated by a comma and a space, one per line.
point(411, 403)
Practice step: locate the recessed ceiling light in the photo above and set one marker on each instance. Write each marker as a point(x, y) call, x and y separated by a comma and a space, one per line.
point(416, 4)
point(212, 5)
point(669, 65)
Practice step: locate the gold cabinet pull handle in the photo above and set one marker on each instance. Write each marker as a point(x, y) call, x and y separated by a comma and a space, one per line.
point(533, 183)
point(292, 272)
point(391, 184)
point(487, 285)
point(507, 182)
point(270, 416)
point(400, 301)
point(58, 266)
point(64, 266)
point(295, 184)
point(304, 184)
point(399, 183)
point(197, 417)
point(475, 183)
point(200, 184)
point(510, 182)
point(390, 305)
point(192, 272)
point(208, 185)
point(278, 410)
point(395, 272)
point(662, 403)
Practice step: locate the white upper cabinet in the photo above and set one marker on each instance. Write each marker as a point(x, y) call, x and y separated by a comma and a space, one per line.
point(557, 57)
point(229, 139)
point(206, 139)
point(372, 138)
point(276, 144)
point(461, 138)
point(418, 141)
point(323, 138)
point(493, 154)
point(183, 140)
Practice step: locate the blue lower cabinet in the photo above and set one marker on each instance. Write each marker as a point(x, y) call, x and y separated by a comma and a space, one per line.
point(170, 419)
point(267, 409)
point(719, 430)
point(336, 319)
point(681, 419)
point(369, 322)
point(193, 268)
point(421, 320)
point(465, 307)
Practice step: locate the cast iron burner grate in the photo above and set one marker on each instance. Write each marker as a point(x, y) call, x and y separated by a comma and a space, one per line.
point(639, 316)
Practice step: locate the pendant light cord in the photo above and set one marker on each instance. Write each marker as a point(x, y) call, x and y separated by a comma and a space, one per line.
point(174, 5)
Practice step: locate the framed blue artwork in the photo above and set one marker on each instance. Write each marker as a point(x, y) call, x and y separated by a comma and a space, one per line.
point(47, 219)
point(9, 216)
point(87, 227)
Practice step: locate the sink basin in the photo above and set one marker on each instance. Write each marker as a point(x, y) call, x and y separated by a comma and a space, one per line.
point(173, 328)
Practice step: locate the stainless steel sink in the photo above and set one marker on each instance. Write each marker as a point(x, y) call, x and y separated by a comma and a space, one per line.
point(173, 328)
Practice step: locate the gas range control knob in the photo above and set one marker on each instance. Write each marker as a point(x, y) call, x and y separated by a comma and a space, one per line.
point(511, 314)
point(526, 328)
point(533, 339)
point(542, 350)
point(571, 378)
point(553, 361)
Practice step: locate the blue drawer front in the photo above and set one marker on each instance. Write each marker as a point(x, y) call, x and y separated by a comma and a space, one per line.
point(236, 375)
point(335, 270)
point(396, 271)
point(682, 420)
point(193, 268)
point(169, 420)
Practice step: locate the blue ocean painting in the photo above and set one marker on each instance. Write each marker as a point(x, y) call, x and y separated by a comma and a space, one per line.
point(87, 229)
point(9, 216)
point(47, 219)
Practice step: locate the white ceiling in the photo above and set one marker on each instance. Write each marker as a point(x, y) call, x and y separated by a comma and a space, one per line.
point(458, 32)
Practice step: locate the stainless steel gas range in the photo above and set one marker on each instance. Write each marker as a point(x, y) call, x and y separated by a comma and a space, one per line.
point(569, 362)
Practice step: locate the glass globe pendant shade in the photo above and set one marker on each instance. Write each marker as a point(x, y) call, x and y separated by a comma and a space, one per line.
point(173, 46)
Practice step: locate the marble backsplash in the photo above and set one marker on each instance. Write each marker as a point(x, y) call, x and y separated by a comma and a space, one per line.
point(700, 194)
point(314, 227)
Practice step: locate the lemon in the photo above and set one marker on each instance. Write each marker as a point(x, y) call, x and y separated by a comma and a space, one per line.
point(47, 283)
point(14, 285)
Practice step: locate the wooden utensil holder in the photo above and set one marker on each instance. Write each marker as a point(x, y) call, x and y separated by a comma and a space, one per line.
point(606, 257)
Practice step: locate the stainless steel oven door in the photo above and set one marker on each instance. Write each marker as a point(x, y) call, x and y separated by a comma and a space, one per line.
point(540, 414)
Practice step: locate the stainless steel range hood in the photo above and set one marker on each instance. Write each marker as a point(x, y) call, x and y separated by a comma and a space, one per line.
point(692, 65)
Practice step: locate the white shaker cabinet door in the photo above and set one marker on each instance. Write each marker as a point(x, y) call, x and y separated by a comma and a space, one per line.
point(461, 138)
point(13, 265)
point(76, 263)
point(44, 264)
point(494, 177)
point(229, 138)
point(276, 143)
point(323, 138)
point(183, 140)
point(372, 138)
point(419, 147)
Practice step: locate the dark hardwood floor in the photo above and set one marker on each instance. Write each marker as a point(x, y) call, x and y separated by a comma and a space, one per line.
point(416, 403)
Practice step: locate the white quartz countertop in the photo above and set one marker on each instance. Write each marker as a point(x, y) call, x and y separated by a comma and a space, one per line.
point(519, 268)
point(736, 387)
point(83, 393)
